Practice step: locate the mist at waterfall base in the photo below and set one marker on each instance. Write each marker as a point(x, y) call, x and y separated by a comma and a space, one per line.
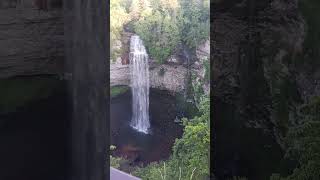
point(139, 70)
point(140, 147)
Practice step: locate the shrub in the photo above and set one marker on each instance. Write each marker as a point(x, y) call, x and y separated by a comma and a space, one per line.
point(190, 159)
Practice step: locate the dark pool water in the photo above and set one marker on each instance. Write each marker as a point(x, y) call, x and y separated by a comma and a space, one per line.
point(139, 147)
point(33, 141)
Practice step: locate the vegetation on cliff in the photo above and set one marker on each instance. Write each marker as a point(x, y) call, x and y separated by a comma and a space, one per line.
point(302, 131)
point(303, 144)
point(190, 158)
point(118, 17)
point(18, 92)
point(167, 27)
point(117, 90)
point(163, 25)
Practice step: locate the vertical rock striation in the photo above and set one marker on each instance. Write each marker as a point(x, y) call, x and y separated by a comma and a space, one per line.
point(31, 41)
point(86, 52)
point(259, 61)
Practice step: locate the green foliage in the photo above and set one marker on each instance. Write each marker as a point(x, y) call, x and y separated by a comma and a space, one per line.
point(165, 171)
point(206, 64)
point(115, 161)
point(190, 159)
point(160, 24)
point(283, 101)
point(197, 89)
point(164, 24)
point(139, 8)
point(194, 21)
point(118, 17)
point(303, 141)
point(126, 4)
point(151, 172)
point(304, 146)
point(117, 90)
point(189, 109)
point(160, 34)
point(276, 177)
point(192, 150)
point(303, 138)
point(17, 92)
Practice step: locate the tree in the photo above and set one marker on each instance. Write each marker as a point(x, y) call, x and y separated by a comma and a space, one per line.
point(303, 141)
point(190, 159)
point(163, 24)
point(118, 17)
point(137, 8)
point(159, 33)
point(194, 21)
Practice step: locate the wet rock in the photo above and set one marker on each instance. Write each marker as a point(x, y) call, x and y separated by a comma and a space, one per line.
point(173, 79)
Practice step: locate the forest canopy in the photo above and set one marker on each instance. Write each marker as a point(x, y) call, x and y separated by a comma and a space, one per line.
point(163, 25)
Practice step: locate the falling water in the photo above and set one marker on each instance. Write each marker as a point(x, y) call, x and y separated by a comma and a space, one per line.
point(139, 85)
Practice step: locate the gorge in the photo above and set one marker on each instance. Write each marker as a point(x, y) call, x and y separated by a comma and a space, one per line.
point(265, 82)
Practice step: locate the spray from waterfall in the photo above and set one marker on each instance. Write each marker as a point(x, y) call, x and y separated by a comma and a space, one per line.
point(139, 69)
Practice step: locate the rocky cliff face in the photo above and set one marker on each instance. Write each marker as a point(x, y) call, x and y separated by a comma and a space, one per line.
point(164, 77)
point(40, 37)
point(171, 76)
point(31, 39)
point(86, 51)
point(168, 77)
point(256, 60)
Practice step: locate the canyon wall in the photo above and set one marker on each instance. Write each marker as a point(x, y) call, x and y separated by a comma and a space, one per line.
point(260, 61)
point(31, 39)
point(171, 76)
point(86, 50)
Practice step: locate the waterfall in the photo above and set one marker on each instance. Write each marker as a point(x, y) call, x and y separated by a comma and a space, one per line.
point(139, 69)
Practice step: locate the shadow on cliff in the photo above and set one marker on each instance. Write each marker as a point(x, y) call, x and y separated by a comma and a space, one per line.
point(33, 141)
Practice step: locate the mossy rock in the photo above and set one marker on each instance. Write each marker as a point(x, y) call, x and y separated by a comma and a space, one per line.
point(20, 91)
point(118, 90)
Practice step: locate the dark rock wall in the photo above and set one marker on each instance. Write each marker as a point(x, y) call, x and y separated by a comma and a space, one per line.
point(43, 37)
point(86, 51)
point(31, 40)
point(264, 70)
point(258, 64)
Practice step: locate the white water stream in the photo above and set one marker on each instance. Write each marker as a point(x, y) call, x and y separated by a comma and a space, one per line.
point(139, 69)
